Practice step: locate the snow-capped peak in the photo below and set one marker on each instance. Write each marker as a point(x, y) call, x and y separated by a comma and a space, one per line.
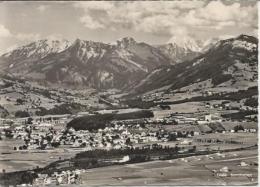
point(187, 43)
point(171, 46)
point(246, 42)
point(85, 49)
point(39, 49)
point(125, 42)
point(207, 44)
point(57, 45)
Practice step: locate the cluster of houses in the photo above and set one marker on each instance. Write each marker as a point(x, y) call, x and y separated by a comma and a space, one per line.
point(120, 134)
point(181, 119)
point(152, 96)
point(59, 178)
point(227, 105)
point(41, 134)
point(116, 137)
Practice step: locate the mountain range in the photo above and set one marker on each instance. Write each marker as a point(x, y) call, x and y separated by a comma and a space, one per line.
point(86, 63)
point(227, 64)
point(135, 66)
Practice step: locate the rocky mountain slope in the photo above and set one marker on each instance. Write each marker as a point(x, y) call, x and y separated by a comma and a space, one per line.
point(38, 49)
point(176, 53)
point(186, 49)
point(230, 64)
point(85, 63)
point(131, 64)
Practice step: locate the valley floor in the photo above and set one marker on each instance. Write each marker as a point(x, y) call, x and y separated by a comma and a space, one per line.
point(197, 170)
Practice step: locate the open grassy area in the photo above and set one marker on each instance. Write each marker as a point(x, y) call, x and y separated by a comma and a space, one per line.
point(246, 138)
point(11, 160)
point(189, 171)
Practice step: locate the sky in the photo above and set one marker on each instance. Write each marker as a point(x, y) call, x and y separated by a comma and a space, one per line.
point(154, 22)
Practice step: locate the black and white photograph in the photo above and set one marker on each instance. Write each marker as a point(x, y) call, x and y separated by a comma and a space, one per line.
point(129, 93)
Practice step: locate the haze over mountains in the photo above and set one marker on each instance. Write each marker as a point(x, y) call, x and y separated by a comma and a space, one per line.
point(130, 64)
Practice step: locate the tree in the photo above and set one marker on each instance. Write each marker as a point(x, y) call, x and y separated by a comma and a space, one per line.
point(172, 137)
point(19, 101)
point(177, 148)
point(24, 147)
point(30, 120)
point(8, 133)
point(21, 114)
point(55, 144)
point(238, 127)
point(128, 141)
point(193, 149)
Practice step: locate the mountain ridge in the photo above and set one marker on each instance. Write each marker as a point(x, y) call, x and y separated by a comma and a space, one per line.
point(122, 65)
point(87, 63)
point(229, 62)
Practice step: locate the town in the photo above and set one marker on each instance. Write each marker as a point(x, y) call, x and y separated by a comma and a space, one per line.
point(184, 130)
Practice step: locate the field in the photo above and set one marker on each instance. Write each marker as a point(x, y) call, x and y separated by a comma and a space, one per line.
point(189, 171)
point(248, 139)
point(194, 108)
point(191, 107)
point(11, 160)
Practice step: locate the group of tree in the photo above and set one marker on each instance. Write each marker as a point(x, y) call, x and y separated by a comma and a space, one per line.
point(253, 102)
point(66, 108)
point(21, 114)
point(100, 121)
point(3, 112)
point(138, 103)
point(154, 149)
point(20, 101)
